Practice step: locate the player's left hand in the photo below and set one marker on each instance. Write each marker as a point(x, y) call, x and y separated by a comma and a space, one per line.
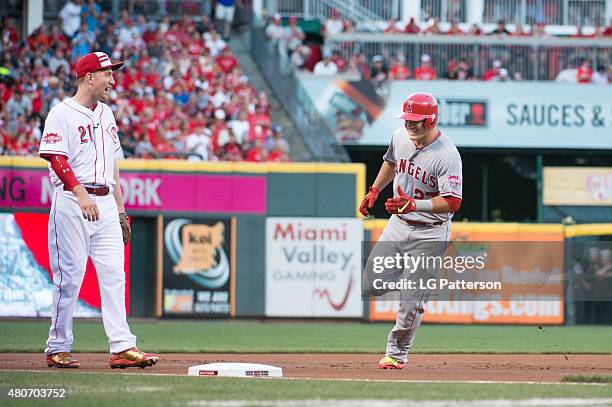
point(126, 231)
point(400, 205)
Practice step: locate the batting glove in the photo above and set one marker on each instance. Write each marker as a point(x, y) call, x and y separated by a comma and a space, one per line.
point(400, 205)
point(368, 201)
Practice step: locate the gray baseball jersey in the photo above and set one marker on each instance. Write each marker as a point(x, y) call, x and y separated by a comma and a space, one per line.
point(426, 172)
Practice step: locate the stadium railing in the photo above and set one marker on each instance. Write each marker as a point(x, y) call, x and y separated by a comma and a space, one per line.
point(550, 12)
point(535, 58)
point(317, 135)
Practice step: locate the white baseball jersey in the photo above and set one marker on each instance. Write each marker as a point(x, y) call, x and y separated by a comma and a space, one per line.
point(87, 138)
point(89, 141)
point(423, 173)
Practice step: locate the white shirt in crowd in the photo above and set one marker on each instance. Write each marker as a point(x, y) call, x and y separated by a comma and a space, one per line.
point(333, 26)
point(199, 143)
point(599, 78)
point(71, 18)
point(275, 32)
point(325, 68)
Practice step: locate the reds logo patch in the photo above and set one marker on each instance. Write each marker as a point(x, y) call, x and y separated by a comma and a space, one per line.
point(112, 130)
point(51, 138)
point(454, 181)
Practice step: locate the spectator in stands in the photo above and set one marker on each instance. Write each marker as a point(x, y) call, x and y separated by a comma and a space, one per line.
point(334, 24)
point(232, 150)
point(425, 71)
point(338, 60)
point(503, 75)
point(278, 153)
point(434, 27)
point(579, 33)
point(19, 104)
point(454, 29)
point(276, 138)
point(475, 30)
point(57, 60)
point(199, 144)
point(82, 43)
point(493, 73)
point(519, 31)
point(393, 27)
point(326, 66)
point(275, 31)
point(294, 34)
point(300, 56)
point(412, 27)
point(90, 13)
point(500, 29)
point(257, 153)
point(460, 71)
point(607, 32)
point(70, 15)
point(399, 69)
point(585, 73)
point(600, 76)
point(349, 26)
point(539, 30)
point(224, 12)
point(379, 70)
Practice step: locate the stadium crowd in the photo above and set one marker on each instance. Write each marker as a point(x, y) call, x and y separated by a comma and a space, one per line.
point(181, 94)
point(439, 64)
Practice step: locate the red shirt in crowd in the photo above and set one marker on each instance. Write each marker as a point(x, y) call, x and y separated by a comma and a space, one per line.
point(400, 72)
point(425, 73)
point(226, 62)
point(585, 74)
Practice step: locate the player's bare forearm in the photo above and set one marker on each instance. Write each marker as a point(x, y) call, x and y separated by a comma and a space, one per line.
point(385, 175)
point(117, 190)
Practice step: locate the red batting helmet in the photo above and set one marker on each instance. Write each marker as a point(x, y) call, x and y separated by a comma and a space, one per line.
point(420, 106)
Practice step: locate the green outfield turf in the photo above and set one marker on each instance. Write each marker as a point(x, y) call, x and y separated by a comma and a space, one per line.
point(311, 337)
point(87, 389)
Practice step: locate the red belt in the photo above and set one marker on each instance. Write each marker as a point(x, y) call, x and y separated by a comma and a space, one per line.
point(420, 224)
point(98, 190)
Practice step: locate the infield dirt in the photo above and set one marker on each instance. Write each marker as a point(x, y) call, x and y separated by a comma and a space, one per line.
point(447, 367)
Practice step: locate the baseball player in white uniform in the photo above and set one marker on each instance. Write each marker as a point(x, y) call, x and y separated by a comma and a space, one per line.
point(425, 168)
point(87, 216)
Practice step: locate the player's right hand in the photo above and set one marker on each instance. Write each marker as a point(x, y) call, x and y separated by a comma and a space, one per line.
point(89, 209)
point(368, 201)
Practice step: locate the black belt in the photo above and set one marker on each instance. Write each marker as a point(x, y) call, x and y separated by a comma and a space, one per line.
point(420, 224)
point(98, 190)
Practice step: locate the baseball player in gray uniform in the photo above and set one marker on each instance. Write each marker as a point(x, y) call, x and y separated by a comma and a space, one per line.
point(425, 168)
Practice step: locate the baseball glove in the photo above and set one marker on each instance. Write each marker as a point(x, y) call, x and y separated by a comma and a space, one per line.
point(125, 227)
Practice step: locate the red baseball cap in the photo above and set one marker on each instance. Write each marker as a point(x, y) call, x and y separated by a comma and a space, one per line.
point(94, 62)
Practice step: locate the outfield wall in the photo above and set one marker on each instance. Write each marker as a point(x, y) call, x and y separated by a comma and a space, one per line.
point(247, 240)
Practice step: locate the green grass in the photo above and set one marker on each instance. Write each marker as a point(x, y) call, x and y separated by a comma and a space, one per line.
point(313, 337)
point(587, 379)
point(87, 389)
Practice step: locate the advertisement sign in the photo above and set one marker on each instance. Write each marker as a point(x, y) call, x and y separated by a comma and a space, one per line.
point(198, 267)
point(26, 280)
point(143, 191)
point(579, 186)
point(527, 260)
point(313, 267)
point(472, 114)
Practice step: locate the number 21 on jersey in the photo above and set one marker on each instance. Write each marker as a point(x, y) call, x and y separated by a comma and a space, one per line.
point(83, 134)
